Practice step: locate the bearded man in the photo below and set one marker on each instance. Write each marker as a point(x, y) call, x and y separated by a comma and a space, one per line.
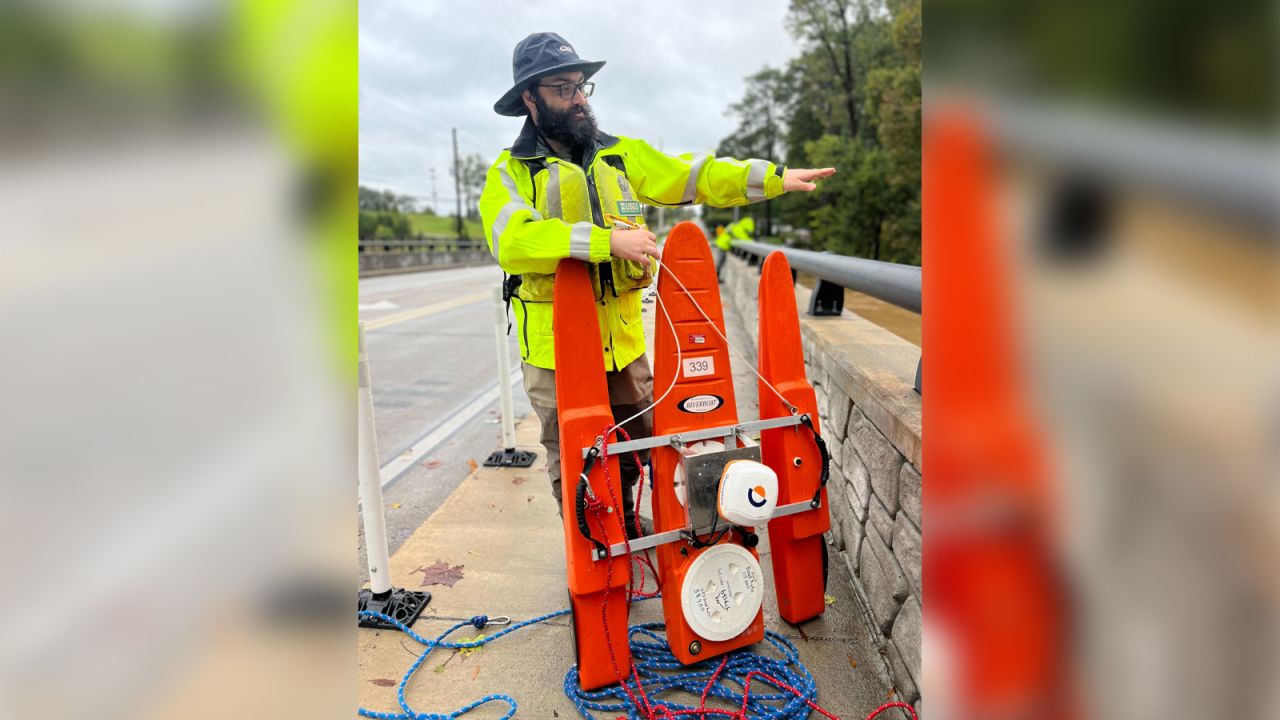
point(564, 189)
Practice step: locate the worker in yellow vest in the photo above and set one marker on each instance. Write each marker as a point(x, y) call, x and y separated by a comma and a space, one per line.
point(740, 230)
point(564, 189)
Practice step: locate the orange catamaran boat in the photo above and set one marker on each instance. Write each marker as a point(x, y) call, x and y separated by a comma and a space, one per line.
point(714, 486)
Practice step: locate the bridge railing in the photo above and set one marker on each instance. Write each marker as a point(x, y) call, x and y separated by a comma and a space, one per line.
point(421, 244)
point(890, 282)
point(893, 283)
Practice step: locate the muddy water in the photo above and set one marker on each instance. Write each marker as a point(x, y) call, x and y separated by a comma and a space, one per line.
point(903, 323)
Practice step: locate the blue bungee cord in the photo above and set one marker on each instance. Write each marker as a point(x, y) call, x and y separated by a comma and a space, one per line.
point(478, 622)
point(658, 669)
point(654, 663)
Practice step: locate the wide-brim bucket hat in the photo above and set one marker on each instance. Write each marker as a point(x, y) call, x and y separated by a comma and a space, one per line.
point(538, 55)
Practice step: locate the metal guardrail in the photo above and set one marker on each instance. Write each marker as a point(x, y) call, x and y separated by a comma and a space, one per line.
point(1237, 175)
point(890, 282)
point(425, 243)
point(893, 283)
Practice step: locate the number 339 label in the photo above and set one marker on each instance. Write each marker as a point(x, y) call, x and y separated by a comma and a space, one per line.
point(699, 366)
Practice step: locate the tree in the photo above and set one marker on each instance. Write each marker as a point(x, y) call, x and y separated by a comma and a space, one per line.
point(385, 201)
point(837, 32)
point(471, 173)
point(384, 214)
point(894, 103)
point(850, 100)
point(761, 114)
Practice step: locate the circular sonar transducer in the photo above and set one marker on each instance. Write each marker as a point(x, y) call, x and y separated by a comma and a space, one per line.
point(722, 592)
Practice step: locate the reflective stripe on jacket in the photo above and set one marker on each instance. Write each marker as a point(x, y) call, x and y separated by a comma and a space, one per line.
point(538, 209)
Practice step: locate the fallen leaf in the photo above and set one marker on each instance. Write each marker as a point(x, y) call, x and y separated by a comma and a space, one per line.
point(440, 574)
point(853, 663)
point(395, 506)
point(519, 480)
point(383, 682)
point(474, 673)
point(464, 652)
point(432, 464)
point(471, 463)
point(829, 599)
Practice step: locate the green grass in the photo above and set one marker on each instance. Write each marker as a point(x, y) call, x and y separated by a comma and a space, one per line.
point(442, 225)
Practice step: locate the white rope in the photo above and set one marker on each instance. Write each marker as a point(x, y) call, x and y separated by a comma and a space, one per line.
point(787, 404)
point(674, 337)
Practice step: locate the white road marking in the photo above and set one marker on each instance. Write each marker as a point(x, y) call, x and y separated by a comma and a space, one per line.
point(380, 305)
point(426, 310)
point(432, 440)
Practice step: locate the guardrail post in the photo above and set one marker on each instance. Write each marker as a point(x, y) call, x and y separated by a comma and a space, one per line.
point(399, 603)
point(919, 372)
point(827, 299)
point(509, 456)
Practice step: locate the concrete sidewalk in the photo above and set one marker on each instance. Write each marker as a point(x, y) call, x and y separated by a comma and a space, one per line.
point(502, 527)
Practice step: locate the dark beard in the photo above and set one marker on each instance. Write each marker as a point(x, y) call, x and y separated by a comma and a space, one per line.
point(561, 126)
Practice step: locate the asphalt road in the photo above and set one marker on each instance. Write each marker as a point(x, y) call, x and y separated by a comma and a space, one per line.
point(433, 360)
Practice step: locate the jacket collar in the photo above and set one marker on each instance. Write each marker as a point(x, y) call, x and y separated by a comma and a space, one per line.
point(530, 144)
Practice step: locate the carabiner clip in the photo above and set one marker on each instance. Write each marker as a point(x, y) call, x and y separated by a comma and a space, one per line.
point(500, 620)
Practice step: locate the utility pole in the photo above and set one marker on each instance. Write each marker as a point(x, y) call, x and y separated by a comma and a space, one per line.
point(457, 184)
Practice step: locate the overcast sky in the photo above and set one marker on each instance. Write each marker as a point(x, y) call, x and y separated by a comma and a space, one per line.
point(674, 67)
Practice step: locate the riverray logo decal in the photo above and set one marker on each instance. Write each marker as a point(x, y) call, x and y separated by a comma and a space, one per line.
point(700, 403)
point(757, 491)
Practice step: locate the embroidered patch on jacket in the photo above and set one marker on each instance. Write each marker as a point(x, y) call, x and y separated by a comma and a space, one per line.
point(629, 207)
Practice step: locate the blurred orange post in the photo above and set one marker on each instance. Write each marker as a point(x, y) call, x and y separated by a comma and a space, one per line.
point(995, 609)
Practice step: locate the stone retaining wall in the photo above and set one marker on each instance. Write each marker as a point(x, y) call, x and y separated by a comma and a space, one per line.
point(871, 419)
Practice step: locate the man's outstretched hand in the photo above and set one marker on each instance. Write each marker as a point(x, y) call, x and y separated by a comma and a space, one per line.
point(802, 179)
point(635, 245)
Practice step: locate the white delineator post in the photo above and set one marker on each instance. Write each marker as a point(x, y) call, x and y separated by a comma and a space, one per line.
point(504, 370)
point(375, 523)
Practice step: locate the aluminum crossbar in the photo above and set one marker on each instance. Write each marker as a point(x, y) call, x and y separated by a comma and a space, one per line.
point(670, 536)
point(693, 436)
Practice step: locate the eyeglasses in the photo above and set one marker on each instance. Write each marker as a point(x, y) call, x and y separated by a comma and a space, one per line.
point(568, 90)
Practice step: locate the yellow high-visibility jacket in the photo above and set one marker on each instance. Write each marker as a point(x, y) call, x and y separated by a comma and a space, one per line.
point(538, 209)
point(723, 240)
point(742, 229)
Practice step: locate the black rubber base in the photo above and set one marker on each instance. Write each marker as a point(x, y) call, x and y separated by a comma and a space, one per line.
point(403, 605)
point(510, 458)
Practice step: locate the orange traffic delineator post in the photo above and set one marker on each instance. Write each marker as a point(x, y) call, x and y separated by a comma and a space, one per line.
point(713, 486)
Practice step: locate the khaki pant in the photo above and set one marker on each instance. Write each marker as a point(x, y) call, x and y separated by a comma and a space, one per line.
point(630, 390)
